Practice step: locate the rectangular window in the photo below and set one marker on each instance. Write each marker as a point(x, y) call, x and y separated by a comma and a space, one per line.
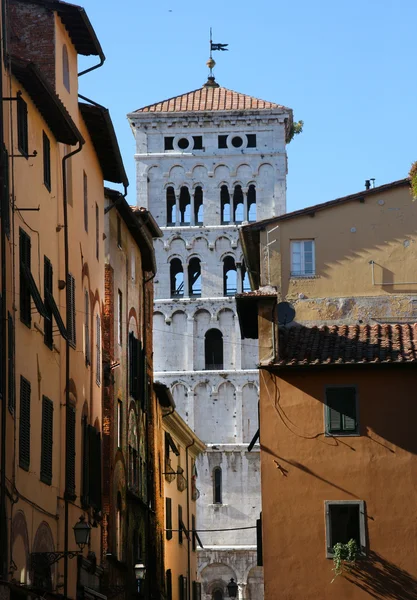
point(48, 289)
point(182, 582)
point(133, 264)
point(194, 545)
point(70, 452)
point(87, 341)
point(196, 590)
point(302, 258)
point(25, 259)
point(198, 142)
point(47, 440)
point(251, 140)
point(342, 411)
point(24, 424)
point(98, 350)
point(168, 143)
point(180, 525)
point(119, 423)
point(222, 141)
point(134, 363)
point(345, 521)
point(169, 584)
point(22, 126)
point(46, 161)
point(97, 233)
point(68, 176)
point(10, 363)
point(119, 232)
point(168, 518)
point(71, 323)
point(85, 185)
point(119, 317)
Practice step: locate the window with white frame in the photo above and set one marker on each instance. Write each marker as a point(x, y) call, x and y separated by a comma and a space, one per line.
point(345, 521)
point(303, 262)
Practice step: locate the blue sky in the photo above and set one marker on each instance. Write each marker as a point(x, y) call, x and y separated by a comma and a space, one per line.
point(347, 69)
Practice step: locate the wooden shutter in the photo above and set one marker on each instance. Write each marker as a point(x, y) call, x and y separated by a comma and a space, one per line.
point(181, 588)
point(47, 440)
point(70, 451)
point(196, 590)
point(169, 584)
point(180, 524)
point(193, 532)
point(46, 161)
point(4, 190)
point(48, 289)
point(98, 350)
point(85, 498)
point(24, 425)
point(22, 126)
point(25, 255)
point(85, 181)
point(341, 409)
point(10, 364)
point(95, 467)
point(168, 518)
point(71, 323)
point(259, 549)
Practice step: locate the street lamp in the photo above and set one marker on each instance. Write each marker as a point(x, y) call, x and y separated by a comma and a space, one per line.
point(232, 588)
point(140, 573)
point(82, 531)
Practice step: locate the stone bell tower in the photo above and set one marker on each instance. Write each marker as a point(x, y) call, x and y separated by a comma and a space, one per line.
point(208, 161)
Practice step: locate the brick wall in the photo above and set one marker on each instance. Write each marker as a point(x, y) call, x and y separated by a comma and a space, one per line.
point(32, 35)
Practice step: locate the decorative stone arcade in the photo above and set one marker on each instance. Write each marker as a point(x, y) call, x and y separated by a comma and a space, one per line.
point(206, 162)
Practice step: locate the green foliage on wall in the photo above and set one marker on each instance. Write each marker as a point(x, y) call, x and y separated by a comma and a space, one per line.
point(413, 179)
point(344, 557)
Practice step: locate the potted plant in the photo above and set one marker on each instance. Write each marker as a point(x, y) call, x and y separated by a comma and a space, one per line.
point(344, 557)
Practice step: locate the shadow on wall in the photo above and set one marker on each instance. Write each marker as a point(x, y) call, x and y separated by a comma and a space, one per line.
point(382, 579)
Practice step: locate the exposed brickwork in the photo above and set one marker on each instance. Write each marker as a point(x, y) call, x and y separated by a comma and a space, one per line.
point(108, 402)
point(32, 36)
point(209, 98)
point(347, 344)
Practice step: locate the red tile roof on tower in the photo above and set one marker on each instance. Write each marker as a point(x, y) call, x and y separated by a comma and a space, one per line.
point(347, 344)
point(209, 98)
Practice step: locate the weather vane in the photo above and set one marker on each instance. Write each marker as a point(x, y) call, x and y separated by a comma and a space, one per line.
point(213, 47)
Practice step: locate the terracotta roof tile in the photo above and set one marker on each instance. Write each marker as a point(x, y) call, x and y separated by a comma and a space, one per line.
point(347, 344)
point(209, 99)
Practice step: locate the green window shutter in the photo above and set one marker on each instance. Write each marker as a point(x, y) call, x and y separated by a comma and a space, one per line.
point(341, 410)
point(70, 452)
point(10, 364)
point(24, 255)
point(168, 518)
point(47, 440)
point(47, 284)
point(179, 523)
point(85, 498)
point(24, 425)
point(71, 328)
point(169, 584)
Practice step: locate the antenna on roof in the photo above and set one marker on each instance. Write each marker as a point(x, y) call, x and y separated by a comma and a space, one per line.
point(285, 313)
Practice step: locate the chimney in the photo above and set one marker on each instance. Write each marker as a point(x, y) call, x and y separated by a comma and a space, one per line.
point(367, 184)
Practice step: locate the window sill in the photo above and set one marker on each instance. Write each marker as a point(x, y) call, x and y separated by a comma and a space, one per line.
point(342, 434)
point(313, 276)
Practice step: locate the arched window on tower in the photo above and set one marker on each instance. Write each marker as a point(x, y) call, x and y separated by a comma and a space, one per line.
point(217, 485)
point(65, 68)
point(238, 206)
point(171, 207)
point(251, 204)
point(185, 206)
point(229, 276)
point(198, 206)
point(245, 278)
point(213, 350)
point(194, 277)
point(225, 204)
point(177, 278)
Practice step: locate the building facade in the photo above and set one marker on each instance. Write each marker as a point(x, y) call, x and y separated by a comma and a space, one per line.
point(52, 219)
point(338, 373)
point(206, 162)
point(181, 449)
point(132, 438)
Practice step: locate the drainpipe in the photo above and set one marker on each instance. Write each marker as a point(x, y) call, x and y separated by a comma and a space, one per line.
point(188, 519)
point(3, 341)
point(67, 352)
point(94, 67)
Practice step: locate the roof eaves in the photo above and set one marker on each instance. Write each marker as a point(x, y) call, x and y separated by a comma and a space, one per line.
point(47, 102)
point(100, 127)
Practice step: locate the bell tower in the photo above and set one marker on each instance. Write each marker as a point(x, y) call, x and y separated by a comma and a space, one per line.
point(208, 161)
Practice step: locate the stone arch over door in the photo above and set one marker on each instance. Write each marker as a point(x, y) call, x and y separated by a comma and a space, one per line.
point(20, 547)
point(214, 578)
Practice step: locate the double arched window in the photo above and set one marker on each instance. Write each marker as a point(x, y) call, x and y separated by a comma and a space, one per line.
point(213, 350)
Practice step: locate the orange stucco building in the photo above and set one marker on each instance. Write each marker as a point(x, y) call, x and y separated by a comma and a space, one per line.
point(57, 153)
point(334, 297)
